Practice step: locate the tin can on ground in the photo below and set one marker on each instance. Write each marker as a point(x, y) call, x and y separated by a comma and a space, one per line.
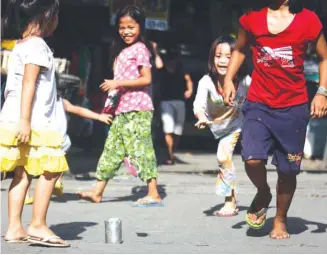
point(113, 231)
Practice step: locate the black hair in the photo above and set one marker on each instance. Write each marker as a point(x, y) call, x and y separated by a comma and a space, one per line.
point(20, 13)
point(212, 71)
point(295, 6)
point(137, 14)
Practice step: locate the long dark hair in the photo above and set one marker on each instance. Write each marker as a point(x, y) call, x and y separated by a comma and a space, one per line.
point(212, 71)
point(20, 13)
point(137, 14)
point(295, 6)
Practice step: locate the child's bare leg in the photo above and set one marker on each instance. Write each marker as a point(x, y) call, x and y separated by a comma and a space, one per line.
point(153, 189)
point(153, 194)
point(257, 172)
point(28, 193)
point(286, 186)
point(169, 138)
point(230, 201)
point(109, 163)
point(95, 195)
point(43, 191)
point(58, 189)
point(28, 198)
point(17, 193)
point(148, 172)
point(60, 178)
point(230, 206)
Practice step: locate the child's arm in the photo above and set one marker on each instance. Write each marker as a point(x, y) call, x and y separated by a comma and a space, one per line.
point(189, 86)
point(157, 60)
point(237, 59)
point(144, 80)
point(31, 74)
point(319, 103)
point(86, 113)
point(200, 105)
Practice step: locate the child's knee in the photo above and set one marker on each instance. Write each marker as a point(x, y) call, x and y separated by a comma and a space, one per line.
point(286, 177)
point(254, 163)
point(49, 176)
point(224, 160)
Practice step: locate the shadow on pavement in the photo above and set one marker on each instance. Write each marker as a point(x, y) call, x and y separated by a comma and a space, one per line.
point(295, 225)
point(139, 192)
point(136, 193)
point(215, 172)
point(212, 210)
point(65, 198)
point(85, 177)
point(161, 160)
point(71, 231)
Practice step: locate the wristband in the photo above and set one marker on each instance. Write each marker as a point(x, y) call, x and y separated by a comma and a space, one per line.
point(322, 91)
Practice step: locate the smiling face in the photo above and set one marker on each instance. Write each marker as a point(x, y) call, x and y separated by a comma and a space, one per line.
point(129, 29)
point(222, 56)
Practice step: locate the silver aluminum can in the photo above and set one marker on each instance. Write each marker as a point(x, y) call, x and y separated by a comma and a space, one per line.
point(113, 231)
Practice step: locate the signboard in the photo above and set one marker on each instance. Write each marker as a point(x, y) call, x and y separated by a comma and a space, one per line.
point(156, 12)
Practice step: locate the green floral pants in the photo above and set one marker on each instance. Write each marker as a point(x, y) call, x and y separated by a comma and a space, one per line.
point(129, 136)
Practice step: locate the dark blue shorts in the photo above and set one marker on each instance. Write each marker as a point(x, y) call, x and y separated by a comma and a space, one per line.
point(281, 130)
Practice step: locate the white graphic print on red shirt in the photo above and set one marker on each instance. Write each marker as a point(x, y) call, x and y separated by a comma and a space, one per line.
point(282, 56)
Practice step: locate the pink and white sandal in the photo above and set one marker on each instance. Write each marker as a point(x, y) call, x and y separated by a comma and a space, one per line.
point(227, 212)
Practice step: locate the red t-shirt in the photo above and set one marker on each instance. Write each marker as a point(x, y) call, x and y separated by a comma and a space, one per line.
point(278, 78)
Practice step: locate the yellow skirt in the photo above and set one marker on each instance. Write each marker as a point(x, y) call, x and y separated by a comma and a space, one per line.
point(42, 153)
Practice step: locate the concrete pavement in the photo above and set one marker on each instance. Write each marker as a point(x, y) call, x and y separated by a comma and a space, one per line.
point(186, 223)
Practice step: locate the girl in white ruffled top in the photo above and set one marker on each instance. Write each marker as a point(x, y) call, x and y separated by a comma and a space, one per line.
point(224, 122)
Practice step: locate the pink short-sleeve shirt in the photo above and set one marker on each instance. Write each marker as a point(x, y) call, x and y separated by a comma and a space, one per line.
point(127, 68)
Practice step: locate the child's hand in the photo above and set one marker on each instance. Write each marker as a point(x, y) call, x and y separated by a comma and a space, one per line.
point(187, 94)
point(106, 118)
point(108, 85)
point(24, 132)
point(319, 106)
point(229, 92)
point(203, 123)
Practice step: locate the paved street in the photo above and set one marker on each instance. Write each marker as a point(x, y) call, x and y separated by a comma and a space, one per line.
point(186, 223)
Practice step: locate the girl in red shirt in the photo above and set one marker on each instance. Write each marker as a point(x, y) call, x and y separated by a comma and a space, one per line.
point(276, 112)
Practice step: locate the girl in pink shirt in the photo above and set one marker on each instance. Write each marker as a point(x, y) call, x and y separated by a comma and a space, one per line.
point(130, 133)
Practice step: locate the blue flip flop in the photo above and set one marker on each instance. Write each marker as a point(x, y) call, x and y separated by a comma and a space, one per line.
point(147, 202)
